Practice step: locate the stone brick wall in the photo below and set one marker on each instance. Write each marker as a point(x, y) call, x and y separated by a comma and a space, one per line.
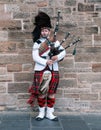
point(80, 75)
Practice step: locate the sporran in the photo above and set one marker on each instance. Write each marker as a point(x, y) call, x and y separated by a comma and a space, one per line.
point(44, 84)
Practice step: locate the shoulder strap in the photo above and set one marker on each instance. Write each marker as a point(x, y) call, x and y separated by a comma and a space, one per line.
point(38, 41)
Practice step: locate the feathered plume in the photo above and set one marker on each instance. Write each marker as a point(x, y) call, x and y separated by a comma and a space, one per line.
point(41, 20)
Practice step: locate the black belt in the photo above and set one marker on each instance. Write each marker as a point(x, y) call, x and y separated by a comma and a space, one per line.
point(44, 57)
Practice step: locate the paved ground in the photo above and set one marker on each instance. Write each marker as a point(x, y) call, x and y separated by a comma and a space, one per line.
point(26, 121)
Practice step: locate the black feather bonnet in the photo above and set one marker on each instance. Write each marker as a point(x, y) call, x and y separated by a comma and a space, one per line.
point(41, 20)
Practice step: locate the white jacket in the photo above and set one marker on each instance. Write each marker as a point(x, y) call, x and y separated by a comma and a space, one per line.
point(40, 63)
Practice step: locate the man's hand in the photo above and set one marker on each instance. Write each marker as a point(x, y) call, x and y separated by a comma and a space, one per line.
point(54, 58)
point(49, 62)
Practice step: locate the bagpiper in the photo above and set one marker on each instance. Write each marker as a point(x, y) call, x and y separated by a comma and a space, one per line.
point(46, 69)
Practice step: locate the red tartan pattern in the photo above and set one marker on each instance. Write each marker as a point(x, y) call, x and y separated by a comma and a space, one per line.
point(34, 89)
point(50, 102)
point(41, 101)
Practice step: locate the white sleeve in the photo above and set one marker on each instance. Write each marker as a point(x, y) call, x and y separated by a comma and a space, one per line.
point(62, 54)
point(35, 55)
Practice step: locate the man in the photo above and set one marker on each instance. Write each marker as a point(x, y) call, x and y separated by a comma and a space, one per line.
point(44, 62)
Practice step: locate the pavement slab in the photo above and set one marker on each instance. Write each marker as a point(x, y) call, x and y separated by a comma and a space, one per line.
point(26, 121)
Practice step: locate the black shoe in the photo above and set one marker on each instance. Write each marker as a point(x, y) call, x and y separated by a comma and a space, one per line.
point(55, 119)
point(39, 119)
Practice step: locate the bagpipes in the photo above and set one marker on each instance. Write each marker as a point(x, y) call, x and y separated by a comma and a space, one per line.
point(56, 50)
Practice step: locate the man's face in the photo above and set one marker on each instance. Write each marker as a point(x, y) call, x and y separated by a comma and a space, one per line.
point(45, 32)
